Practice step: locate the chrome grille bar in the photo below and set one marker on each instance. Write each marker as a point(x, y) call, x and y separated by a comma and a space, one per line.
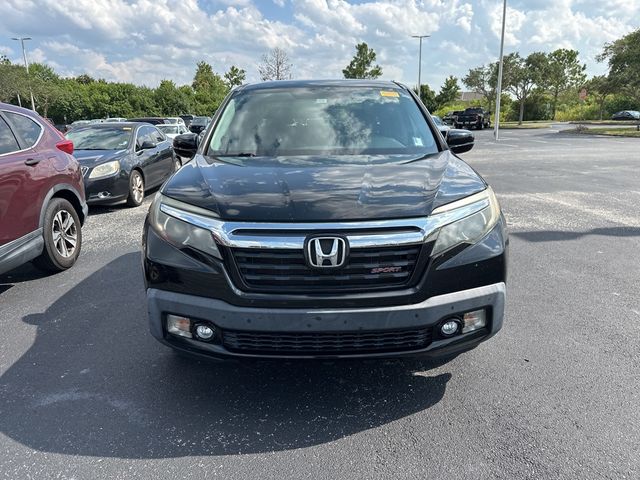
point(411, 231)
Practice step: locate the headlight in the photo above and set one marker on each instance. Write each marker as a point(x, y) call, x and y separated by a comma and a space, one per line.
point(178, 232)
point(484, 212)
point(105, 170)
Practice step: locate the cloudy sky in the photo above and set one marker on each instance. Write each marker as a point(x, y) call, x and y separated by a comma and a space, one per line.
point(145, 41)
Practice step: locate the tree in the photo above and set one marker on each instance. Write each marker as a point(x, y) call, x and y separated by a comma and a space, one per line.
point(235, 77)
point(521, 76)
point(275, 65)
point(210, 89)
point(45, 85)
point(84, 78)
point(623, 57)
point(600, 88)
point(13, 81)
point(428, 97)
point(448, 92)
point(483, 80)
point(564, 73)
point(361, 66)
point(170, 100)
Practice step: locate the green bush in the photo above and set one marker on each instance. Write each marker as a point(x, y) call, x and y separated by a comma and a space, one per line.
point(578, 112)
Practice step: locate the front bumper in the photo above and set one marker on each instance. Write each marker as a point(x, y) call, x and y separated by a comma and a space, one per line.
point(428, 313)
point(108, 190)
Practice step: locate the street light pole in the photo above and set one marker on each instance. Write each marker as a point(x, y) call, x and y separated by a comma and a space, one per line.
point(26, 65)
point(496, 131)
point(420, 60)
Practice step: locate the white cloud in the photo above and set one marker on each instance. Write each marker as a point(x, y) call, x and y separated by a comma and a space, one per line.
point(144, 41)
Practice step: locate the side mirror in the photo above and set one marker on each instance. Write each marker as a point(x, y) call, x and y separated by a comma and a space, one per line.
point(186, 145)
point(147, 145)
point(459, 140)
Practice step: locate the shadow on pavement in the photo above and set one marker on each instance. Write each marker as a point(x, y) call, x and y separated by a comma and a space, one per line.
point(96, 383)
point(23, 273)
point(558, 236)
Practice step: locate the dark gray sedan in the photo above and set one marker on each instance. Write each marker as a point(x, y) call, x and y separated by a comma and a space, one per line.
point(120, 161)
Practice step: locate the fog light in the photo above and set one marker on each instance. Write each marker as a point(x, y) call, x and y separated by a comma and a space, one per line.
point(180, 326)
point(474, 320)
point(450, 327)
point(204, 332)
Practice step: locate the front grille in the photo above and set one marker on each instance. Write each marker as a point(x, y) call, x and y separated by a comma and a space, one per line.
point(326, 343)
point(84, 170)
point(366, 268)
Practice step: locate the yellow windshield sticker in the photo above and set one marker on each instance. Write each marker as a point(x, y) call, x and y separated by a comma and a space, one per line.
point(389, 93)
point(126, 128)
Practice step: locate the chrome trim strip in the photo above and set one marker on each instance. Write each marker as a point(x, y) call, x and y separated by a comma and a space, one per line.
point(225, 232)
point(37, 122)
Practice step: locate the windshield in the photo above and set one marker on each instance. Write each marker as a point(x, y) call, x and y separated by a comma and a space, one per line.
point(436, 120)
point(334, 121)
point(169, 128)
point(113, 138)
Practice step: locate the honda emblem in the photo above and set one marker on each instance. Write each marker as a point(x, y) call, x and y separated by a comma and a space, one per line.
point(326, 252)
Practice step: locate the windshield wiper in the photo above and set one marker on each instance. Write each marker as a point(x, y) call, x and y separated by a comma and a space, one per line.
point(426, 155)
point(241, 154)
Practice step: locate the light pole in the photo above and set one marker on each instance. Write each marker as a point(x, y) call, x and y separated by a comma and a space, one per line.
point(26, 65)
point(420, 61)
point(496, 131)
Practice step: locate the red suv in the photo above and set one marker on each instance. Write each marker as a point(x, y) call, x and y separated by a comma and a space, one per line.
point(42, 203)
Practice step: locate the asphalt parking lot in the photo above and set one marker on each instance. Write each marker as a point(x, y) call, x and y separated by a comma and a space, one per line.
point(88, 393)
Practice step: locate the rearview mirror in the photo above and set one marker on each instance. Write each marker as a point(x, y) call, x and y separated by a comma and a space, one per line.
point(459, 140)
point(186, 145)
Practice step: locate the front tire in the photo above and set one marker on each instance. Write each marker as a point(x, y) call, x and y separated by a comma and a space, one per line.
point(62, 237)
point(136, 189)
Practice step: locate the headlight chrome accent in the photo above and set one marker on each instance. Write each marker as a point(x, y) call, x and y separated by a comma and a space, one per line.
point(105, 170)
point(470, 228)
point(174, 221)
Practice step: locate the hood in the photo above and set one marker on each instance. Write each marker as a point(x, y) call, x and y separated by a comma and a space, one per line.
point(292, 192)
point(91, 158)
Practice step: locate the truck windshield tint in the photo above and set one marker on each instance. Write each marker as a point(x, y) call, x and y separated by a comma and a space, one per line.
point(316, 121)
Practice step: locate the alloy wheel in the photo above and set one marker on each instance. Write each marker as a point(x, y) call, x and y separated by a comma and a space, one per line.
point(137, 188)
point(65, 233)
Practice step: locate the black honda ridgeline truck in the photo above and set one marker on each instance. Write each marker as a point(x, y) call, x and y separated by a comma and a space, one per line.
point(324, 219)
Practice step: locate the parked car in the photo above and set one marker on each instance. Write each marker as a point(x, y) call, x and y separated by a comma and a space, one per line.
point(199, 124)
point(78, 123)
point(115, 120)
point(187, 119)
point(474, 117)
point(121, 161)
point(151, 120)
point(175, 120)
point(42, 202)
point(626, 115)
point(324, 219)
point(444, 129)
point(450, 117)
point(172, 130)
